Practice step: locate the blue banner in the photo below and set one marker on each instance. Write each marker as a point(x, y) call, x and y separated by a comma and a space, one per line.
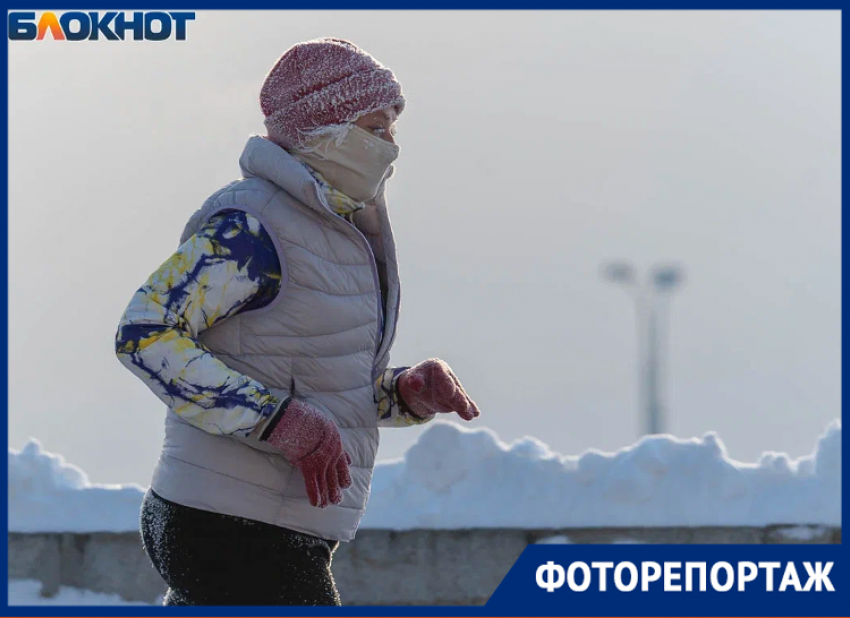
point(668, 580)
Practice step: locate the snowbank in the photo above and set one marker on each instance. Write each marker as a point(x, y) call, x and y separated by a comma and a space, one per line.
point(28, 592)
point(48, 495)
point(458, 478)
point(455, 477)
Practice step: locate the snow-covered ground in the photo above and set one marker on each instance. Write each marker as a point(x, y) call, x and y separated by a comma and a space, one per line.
point(455, 477)
point(27, 592)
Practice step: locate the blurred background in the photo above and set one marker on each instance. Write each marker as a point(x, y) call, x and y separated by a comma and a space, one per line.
point(537, 149)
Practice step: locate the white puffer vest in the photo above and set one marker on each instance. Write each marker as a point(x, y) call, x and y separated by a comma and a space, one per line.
point(320, 340)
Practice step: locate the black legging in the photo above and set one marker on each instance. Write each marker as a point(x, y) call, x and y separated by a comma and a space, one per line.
point(212, 559)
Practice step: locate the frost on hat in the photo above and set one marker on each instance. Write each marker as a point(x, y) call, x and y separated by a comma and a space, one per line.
point(324, 82)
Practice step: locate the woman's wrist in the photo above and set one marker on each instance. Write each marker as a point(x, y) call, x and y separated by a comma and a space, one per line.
point(274, 419)
point(404, 406)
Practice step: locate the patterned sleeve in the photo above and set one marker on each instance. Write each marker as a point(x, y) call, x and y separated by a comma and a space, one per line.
point(229, 266)
point(392, 411)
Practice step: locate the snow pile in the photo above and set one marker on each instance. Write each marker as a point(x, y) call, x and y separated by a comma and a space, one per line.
point(459, 478)
point(28, 592)
point(455, 477)
point(555, 540)
point(803, 533)
point(48, 495)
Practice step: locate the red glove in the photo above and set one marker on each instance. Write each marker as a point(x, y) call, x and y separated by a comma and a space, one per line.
point(431, 387)
point(311, 442)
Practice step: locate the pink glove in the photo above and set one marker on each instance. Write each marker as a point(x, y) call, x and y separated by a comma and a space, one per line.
point(431, 387)
point(311, 442)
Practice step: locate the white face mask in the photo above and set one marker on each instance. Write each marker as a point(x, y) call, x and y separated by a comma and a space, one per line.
point(356, 166)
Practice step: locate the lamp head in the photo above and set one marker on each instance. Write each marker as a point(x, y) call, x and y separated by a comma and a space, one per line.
point(619, 272)
point(667, 278)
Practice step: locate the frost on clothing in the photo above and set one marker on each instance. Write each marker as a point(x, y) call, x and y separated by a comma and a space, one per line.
point(208, 558)
point(229, 266)
point(322, 83)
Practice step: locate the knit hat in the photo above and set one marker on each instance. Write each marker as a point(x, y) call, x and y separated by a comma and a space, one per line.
point(324, 82)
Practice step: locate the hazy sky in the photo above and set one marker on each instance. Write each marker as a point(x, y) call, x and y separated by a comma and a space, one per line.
point(535, 145)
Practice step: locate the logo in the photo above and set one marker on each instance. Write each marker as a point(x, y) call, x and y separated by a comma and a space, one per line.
point(96, 26)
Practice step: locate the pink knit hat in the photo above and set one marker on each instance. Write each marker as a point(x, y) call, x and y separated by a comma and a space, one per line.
point(324, 82)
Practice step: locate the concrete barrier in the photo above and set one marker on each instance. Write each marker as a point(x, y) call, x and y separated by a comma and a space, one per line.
point(381, 567)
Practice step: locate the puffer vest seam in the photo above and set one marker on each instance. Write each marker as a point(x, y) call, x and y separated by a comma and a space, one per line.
point(245, 354)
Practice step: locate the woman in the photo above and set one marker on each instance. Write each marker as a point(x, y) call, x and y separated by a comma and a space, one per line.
point(267, 334)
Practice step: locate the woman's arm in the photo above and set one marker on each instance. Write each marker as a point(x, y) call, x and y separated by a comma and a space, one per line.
point(229, 266)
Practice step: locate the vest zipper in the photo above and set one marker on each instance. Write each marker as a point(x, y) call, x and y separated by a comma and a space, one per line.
point(374, 264)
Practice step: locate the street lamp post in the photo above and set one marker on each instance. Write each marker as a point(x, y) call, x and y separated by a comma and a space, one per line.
point(647, 296)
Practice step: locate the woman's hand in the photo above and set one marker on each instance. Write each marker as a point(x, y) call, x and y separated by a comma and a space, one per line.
point(311, 442)
point(431, 387)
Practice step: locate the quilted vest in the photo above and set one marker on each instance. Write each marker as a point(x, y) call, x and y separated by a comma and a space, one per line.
point(320, 340)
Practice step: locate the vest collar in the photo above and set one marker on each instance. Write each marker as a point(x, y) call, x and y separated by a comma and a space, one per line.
point(264, 159)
